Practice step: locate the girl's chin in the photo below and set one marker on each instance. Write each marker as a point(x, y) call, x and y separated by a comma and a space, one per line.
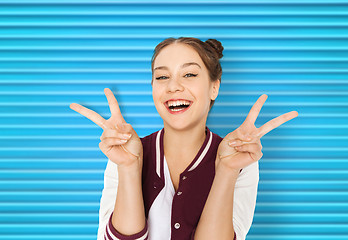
point(180, 125)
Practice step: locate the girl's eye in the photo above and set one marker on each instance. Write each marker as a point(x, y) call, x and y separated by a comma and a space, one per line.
point(188, 74)
point(191, 74)
point(161, 77)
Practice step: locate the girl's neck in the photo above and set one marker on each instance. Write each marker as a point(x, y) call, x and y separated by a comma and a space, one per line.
point(184, 143)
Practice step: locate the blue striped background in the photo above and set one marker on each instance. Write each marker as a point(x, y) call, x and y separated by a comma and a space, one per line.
point(53, 53)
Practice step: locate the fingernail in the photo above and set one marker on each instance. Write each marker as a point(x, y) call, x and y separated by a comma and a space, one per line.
point(233, 143)
point(123, 140)
point(127, 135)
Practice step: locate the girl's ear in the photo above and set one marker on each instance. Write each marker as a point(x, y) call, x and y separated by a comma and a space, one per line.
point(215, 90)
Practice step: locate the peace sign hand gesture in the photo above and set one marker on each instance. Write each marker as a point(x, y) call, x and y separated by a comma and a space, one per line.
point(247, 138)
point(119, 142)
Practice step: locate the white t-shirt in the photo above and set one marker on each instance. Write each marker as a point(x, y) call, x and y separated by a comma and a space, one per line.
point(159, 220)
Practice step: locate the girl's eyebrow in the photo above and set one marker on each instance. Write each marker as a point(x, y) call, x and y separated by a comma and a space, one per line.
point(182, 66)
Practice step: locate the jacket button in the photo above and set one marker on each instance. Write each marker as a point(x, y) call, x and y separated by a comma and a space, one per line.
point(179, 193)
point(184, 177)
point(177, 225)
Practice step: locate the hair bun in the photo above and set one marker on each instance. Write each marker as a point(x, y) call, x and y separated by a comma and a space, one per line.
point(216, 45)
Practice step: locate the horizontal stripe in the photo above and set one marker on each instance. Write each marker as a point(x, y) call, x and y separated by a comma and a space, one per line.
point(300, 182)
point(155, 115)
point(92, 237)
point(282, 93)
point(305, 204)
point(224, 2)
point(175, 24)
point(264, 185)
point(97, 70)
point(174, 13)
point(295, 236)
point(146, 60)
point(230, 126)
point(47, 171)
point(321, 149)
point(47, 237)
point(23, 183)
point(35, 193)
point(104, 81)
point(264, 159)
point(86, 204)
point(28, 182)
point(280, 171)
point(159, 37)
point(83, 137)
point(70, 217)
point(128, 104)
point(137, 48)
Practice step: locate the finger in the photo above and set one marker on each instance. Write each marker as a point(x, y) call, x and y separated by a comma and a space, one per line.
point(276, 122)
point(249, 147)
point(113, 105)
point(124, 128)
point(238, 142)
point(235, 142)
point(108, 142)
point(255, 110)
point(106, 146)
point(90, 114)
point(114, 133)
point(246, 136)
point(239, 134)
point(254, 149)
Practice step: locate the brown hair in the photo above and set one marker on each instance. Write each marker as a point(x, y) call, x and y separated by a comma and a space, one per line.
point(210, 52)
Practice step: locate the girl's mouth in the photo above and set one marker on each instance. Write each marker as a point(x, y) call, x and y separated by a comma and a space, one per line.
point(177, 106)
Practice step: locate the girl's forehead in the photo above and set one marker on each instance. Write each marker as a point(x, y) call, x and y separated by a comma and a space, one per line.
point(177, 54)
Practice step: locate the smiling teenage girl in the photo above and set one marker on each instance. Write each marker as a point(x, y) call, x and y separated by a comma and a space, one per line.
point(183, 181)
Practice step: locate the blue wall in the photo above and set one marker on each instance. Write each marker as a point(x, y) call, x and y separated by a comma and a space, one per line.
point(53, 53)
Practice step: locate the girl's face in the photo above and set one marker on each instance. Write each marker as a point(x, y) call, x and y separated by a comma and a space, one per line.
point(181, 87)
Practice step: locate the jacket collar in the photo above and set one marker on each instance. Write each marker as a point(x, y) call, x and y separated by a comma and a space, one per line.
point(196, 161)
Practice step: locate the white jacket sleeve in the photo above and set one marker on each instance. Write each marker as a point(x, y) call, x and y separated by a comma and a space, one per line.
point(244, 201)
point(107, 205)
point(108, 198)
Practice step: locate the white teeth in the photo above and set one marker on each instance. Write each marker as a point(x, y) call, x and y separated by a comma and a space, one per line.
point(176, 110)
point(178, 103)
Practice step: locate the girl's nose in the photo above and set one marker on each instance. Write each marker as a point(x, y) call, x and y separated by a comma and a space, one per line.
point(174, 85)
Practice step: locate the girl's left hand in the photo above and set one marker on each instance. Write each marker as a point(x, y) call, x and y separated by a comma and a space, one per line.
point(249, 150)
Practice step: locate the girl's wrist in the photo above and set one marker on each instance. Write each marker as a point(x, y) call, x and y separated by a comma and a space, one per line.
point(131, 169)
point(226, 172)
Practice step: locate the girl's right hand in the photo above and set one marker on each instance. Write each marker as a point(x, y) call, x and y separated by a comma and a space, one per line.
point(119, 142)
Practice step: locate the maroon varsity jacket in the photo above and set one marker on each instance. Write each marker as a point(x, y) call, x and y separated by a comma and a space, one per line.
point(193, 190)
